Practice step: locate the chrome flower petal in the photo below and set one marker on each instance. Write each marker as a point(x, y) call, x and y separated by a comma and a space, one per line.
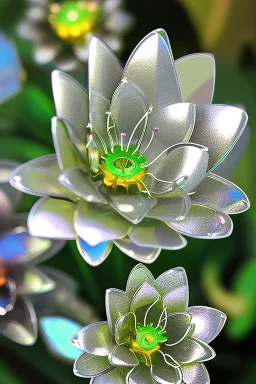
point(94, 255)
point(187, 351)
point(121, 355)
point(196, 74)
point(139, 275)
point(209, 352)
point(52, 218)
point(71, 101)
point(204, 222)
point(145, 295)
point(91, 365)
point(141, 254)
point(28, 177)
point(140, 375)
point(218, 127)
point(125, 328)
point(163, 372)
point(95, 339)
point(20, 325)
point(208, 322)
point(116, 376)
point(117, 304)
point(156, 234)
point(177, 327)
point(7, 295)
point(221, 193)
point(151, 67)
point(195, 374)
point(6, 169)
point(96, 223)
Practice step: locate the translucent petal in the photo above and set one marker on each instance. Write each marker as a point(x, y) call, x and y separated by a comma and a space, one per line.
point(55, 247)
point(95, 338)
point(7, 295)
point(188, 351)
point(88, 365)
point(96, 223)
point(177, 327)
point(151, 67)
point(204, 222)
point(20, 325)
point(141, 254)
point(156, 234)
point(222, 194)
point(71, 101)
point(94, 255)
point(163, 372)
point(121, 355)
point(116, 376)
point(208, 322)
point(52, 218)
point(195, 374)
point(6, 169)
point(196, 74)
point(139, 275)
point(218, 127)
point(145, 295)
point(28, 177)
point(117, 305)
point(125, 328)
point(140, 375)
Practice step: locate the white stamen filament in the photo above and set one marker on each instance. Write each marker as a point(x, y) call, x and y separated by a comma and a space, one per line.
point(108, 131)
point(146, 314)
point(145, 116)
point(99, 137)
point(163, 319)
point(122, 141)
point(150, 141)
point(146, 189)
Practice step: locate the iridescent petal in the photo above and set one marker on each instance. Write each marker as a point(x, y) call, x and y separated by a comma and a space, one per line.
point(46, 52)
point(208, 322)
point(121, 355)
point(140, 375)
point(209, 352)
point(88, 365)
point(163, 372)
point(218, 127)
point(156, 234)
point(117, 305)
point(116, 376)
point(95, 339)
point(125, 328)
point(7, 294)
point(187, 351)
point(71, 101)
point(132, 207)
point(6, 169)
point(139, 275)
point(80, 183)
point(20, 325)
point(195, 374)
point(55, 247)
point(196, 74)
point(142, 254)
point(28, 177)
point(172, 206)
point(204, 222)
point(177, 327)
point(96, 223)
point(52, 218)
point(145, 295)
point(30, 280)
point(221, 193)
point(151, 67)
point(94, 255)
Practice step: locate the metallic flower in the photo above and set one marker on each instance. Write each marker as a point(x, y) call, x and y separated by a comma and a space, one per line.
point(141, 174)
point(19, 277)
point(61, 30)
point(151, 335)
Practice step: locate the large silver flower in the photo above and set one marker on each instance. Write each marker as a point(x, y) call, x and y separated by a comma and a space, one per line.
point(19, 277)
point(61, 29)
point(151, 335)
point(141, 174)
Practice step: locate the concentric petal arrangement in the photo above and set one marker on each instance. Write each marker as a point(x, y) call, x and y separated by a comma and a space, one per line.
point(135, 158)
point(61, 30)
point(19, 275)
point(151, 335)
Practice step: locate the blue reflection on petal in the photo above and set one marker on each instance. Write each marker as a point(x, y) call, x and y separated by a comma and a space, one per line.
point(94, 252)
point(235, 194)
point(10, 69)
point(58, 331)
point(13, 246)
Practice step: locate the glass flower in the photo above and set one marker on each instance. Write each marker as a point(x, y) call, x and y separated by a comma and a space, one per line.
point(151, 335)
point(19, 276)
point(135, 158)
point(61, 30)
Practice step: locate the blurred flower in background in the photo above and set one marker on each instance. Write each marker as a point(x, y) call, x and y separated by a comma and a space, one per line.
point(61, 30)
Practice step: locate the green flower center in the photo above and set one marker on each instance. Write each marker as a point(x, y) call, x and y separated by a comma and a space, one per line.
point(149, 337)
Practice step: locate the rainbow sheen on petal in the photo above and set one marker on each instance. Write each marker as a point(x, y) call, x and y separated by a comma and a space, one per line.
point(94, 255)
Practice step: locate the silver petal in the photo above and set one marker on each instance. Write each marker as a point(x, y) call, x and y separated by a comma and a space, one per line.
point(30, 280)
point(117, 305)
point(196, 74)
point(7, 295)
point(95, 339)
point(195, 374)
point(218, 127)
point(177, 327)
point(116, 376)
point(88, 365)
point(28, 177)
point(94, 255)
point(140, 375)
point(141, 254)
point(139, 275)
point(125, 328)
point(204, 222)
point(132, 207)
point(187, 351)
point(6, 169)
point(46, 52)
point(79, 183)
point(164, 373)
point(209, 352)
point(145, 295)
point(20, 325)
point(96, 223)
point(121, 355)
point(208, 322)
point(52, 218)
point(156, 234)
point(171, 206)
point(71, 101)
point(151, 67)
point(221, 193)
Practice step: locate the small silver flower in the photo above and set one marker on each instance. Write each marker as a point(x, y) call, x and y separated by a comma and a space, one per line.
point(19, 277)
point(61, 30)
point(151, 335)
point(135, 159)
